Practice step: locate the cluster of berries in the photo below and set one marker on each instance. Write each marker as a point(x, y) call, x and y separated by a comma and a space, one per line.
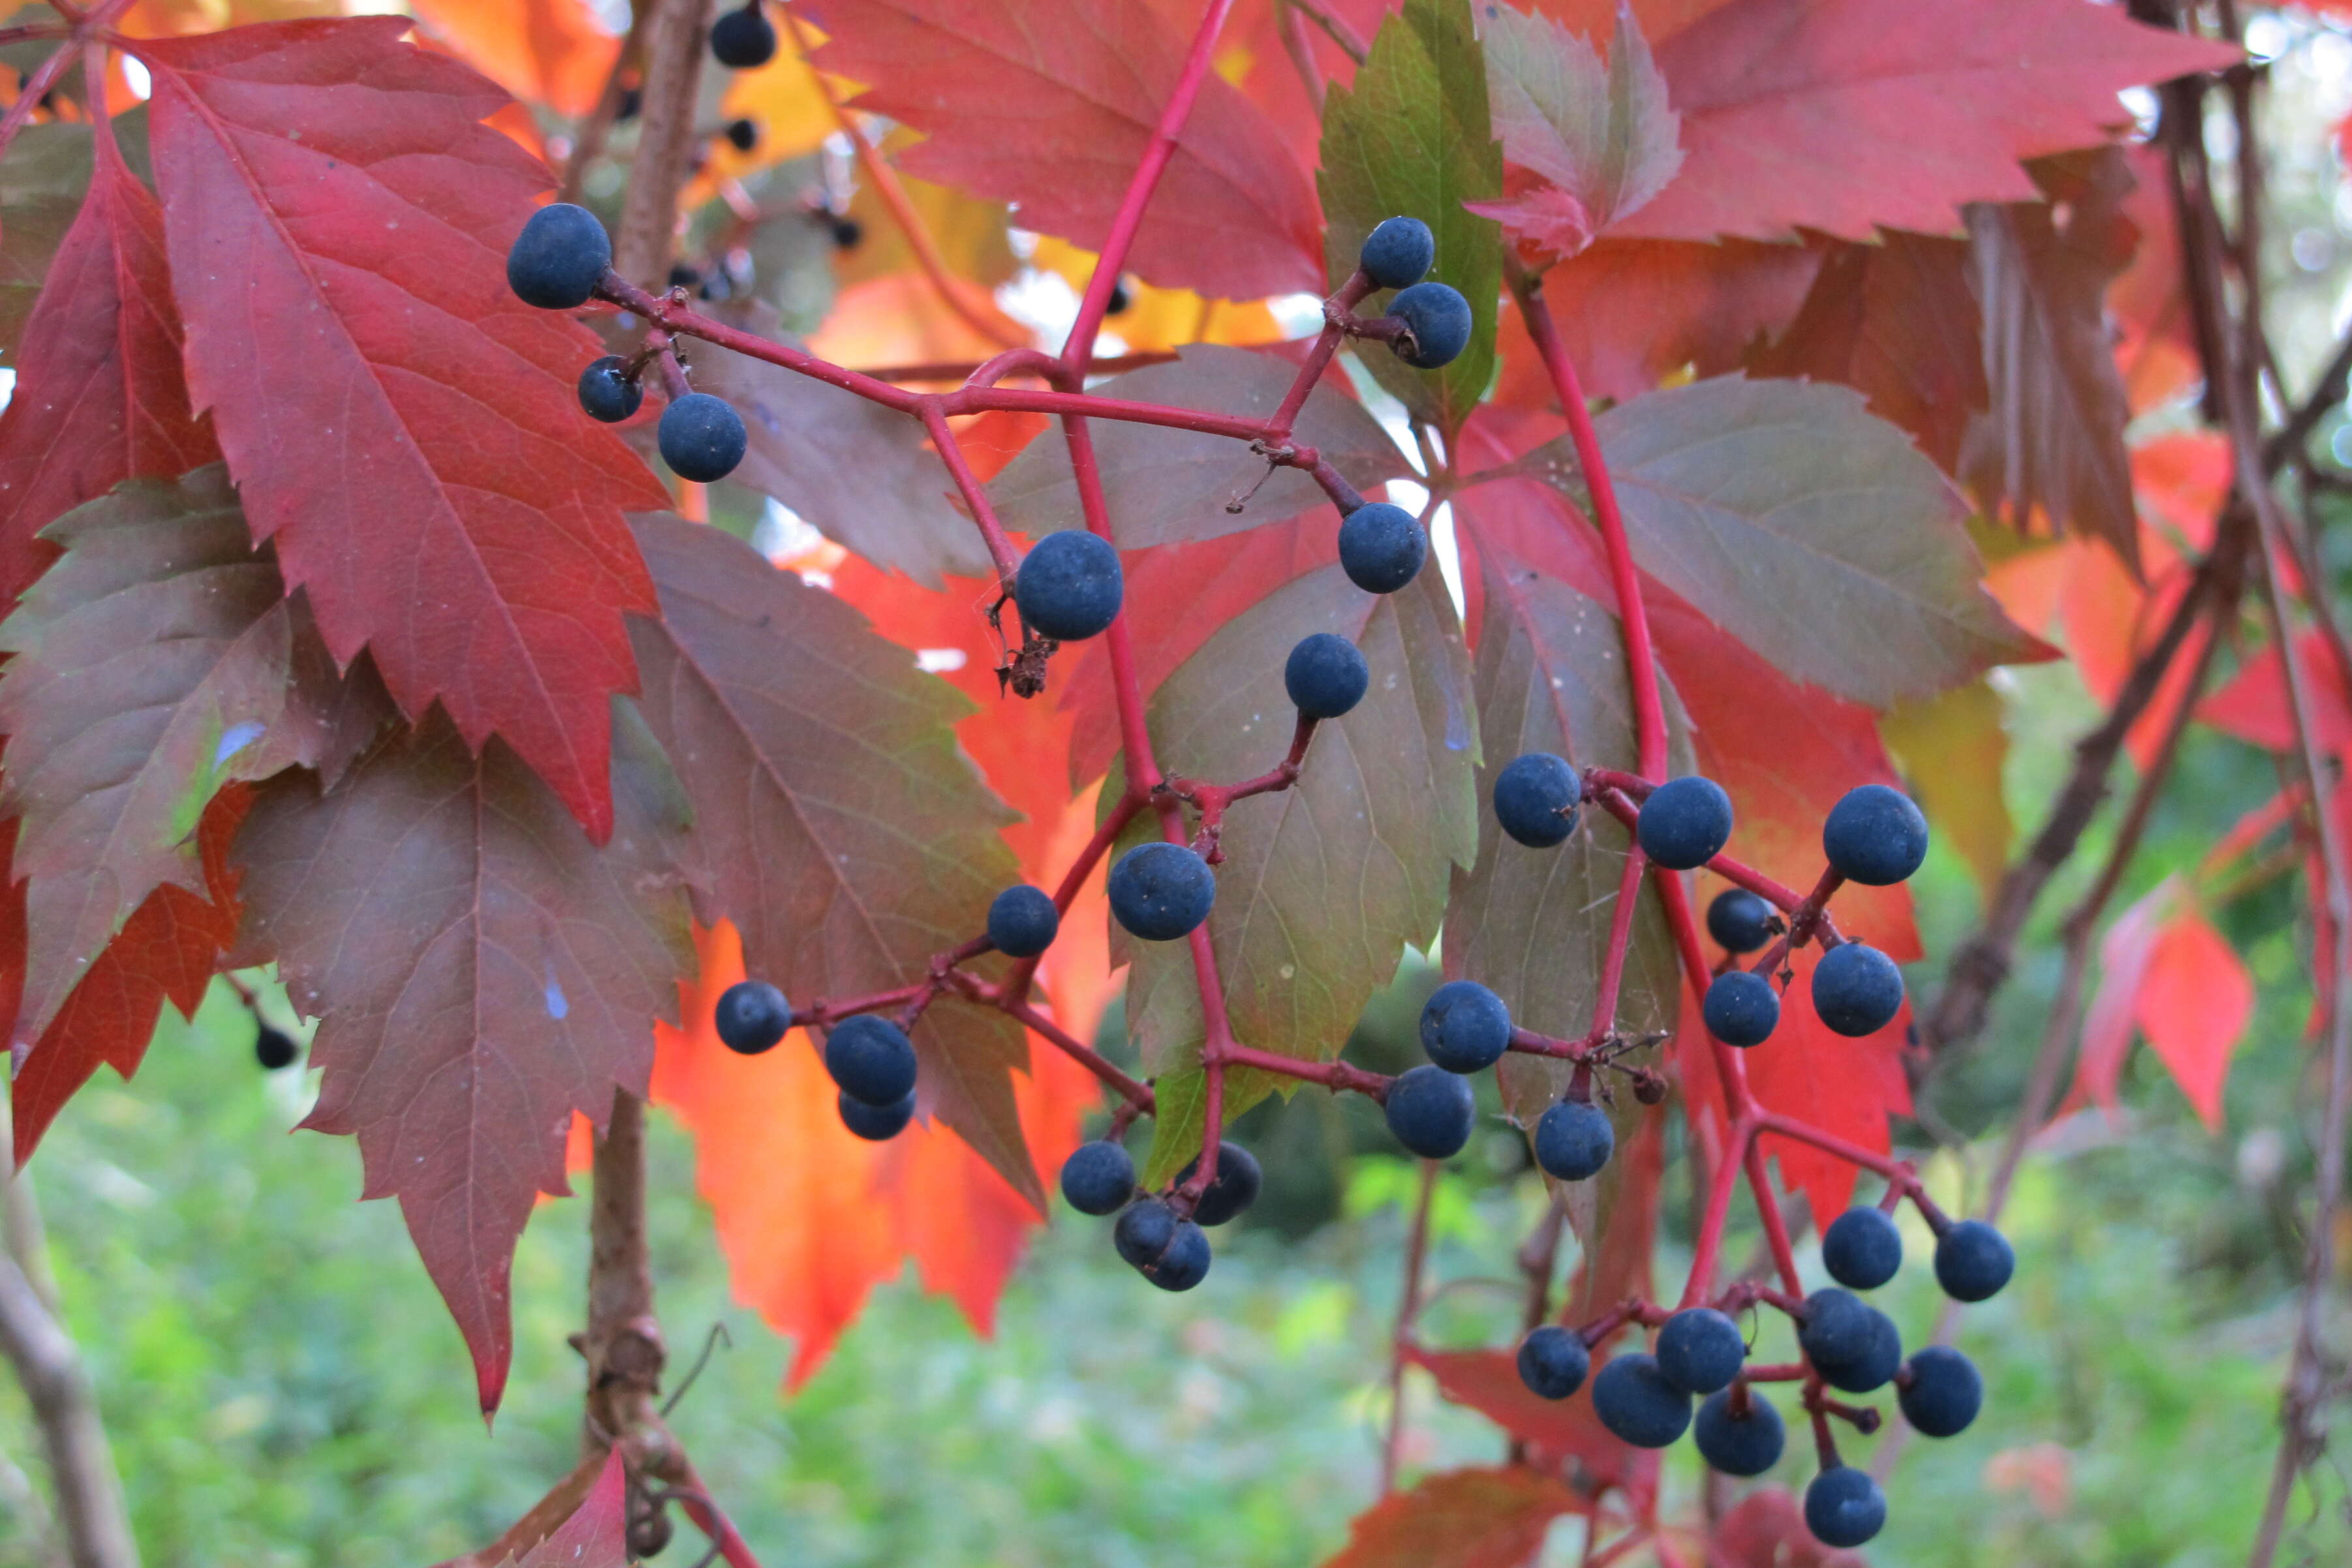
point(557, 263)
point(1644, 1397)
point(870, 1057)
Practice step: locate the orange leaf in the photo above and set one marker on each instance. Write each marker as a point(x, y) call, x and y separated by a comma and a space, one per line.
point(548, 51)
point(2107, 1023)
point(2194, 1004)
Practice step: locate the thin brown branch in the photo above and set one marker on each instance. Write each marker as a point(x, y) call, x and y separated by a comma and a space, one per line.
point(588, 141)
point(674, 35)
point(1336, 28)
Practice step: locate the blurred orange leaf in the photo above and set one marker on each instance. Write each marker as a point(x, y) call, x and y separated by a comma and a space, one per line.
point(547, 51)
point(1461, 1519)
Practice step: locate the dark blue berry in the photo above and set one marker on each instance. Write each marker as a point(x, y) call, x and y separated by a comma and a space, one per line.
point(559, 259)
point(1399, 253)
point(1843, 1507)
point(1574, 1140)
point(274, 1048)
point(1862, 1249)
point(1745, 1445)
point(1535, 799)
point(847, 232)
point(744, 134)
point(1741, 1008)
point(701, 437)
point(1430, 1111)
point(1464, 1026)
point(1022, 921)
point(743, 40)
point(1873, 1366)
point(1183, 1262)
point(1553, 1361)
point(1973, 1261)
point(1857, 990)
point(1144, 1232)
point(1382, 546)
point(1874, 836)
point(876, 1123)
point(1325, 675)
point(1940, 1391)
point(1438, 319)
point(1633, 1400)
point(1739, 920)
point(1239, 1177)
point(1069, 586)
point(1700, 1350)
point(606, 393)
point(1685, 823)
point(871, 1058)
point(1099, 1177)
point(1160, 890)
point(751, 1015)
point(1836, 1327)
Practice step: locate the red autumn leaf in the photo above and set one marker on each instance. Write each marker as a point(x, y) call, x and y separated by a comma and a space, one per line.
point(1895, 321)
point(548, 51)
point(156, 660)
point(834, 820)
point(1632, 312)
point(1488, 1382)
point(1052, 105)
point(400, 426)
point(2124, 953)
point(2254, 705)
point(1767, 1528)
point(165, 950)
point(781, 1175)
point(2194, 1004)
point(2052, 438)
point(480, 972)
point(100, 396)
point(1460, 1519)
point(1845, 116)
point(596, 1535)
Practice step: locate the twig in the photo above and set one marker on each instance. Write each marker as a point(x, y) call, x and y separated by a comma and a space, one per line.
point(1416, 1253)
point(674, 50)
point(588, 143)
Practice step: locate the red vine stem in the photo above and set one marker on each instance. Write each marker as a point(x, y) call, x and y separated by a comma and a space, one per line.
point(1080, 345)
point(44, 75)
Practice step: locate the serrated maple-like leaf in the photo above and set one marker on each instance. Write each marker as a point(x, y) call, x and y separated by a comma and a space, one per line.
point(100, 395)
point(2053, 435)
point(43, 182)
point(596, 1535)
point(398, 423)
point(1534, 924)
point(1460, 1519)
point(1412, 135)
point(834, 822)
point(2165, 969)
point(156, 662)
point(547, 51)
point(1814, 533)
point(165, 951)
point(2254, 705)
point(1325, 883)
point(480, 972)
point(1599, 133)
point(1847, 115)
point(1173, 487)
point(859, 473)
point(1052, 106)
point(1894, 319)
point(1488, 1382)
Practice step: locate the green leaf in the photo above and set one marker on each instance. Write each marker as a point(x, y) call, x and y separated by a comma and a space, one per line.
point(835, 821)
point(1533, 924)
point(156, 660)
point(1411, 137)
point(1805, 526)
point(1171, 487)
point(860, 474)
point(1326, 883)
point(1601, 134)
